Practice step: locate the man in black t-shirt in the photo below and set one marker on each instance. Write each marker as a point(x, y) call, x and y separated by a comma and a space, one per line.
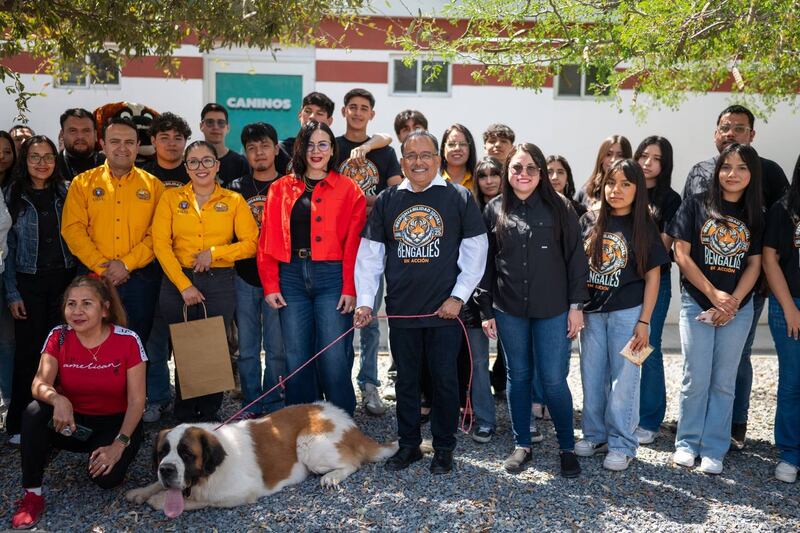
point(168, 134)
point(79, 137)
point(257, 322)
point(432, 238)
point(373, 169)
point(735, 125)
point(214, 125)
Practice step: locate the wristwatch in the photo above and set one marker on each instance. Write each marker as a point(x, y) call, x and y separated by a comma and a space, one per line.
point(576, 307)
point(456, 298)
point(124, 439)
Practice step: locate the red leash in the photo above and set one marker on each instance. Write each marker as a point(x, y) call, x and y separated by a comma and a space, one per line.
point(282, 380)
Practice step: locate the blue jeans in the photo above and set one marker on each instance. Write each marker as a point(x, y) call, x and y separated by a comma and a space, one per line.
point(369, 340)
point(744, 376)
point(547, 337)
point(537, 395)
point(610, 381)
point(482, 399)
point(787, 415)
point(259, 325)
point(653, 398)
point(157, 361)
point(7, 348)
point(309, 322)
point(139, 296)
point(711, 357)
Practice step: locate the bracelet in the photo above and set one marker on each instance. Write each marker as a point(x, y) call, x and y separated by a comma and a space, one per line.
point(643, 322)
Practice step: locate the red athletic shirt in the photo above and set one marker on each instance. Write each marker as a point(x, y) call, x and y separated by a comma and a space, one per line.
point(95, 385)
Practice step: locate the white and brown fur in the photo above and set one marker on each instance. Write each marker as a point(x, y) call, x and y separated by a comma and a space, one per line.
point(243, 461)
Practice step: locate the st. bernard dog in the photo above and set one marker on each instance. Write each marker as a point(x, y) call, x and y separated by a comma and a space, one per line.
point(243, 461)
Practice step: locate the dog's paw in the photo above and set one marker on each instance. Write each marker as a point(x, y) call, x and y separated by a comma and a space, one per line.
point(138, 495)
point(156, 501)
point(332, 479)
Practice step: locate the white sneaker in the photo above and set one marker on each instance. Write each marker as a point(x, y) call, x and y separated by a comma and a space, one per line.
point(14, 440)
point(684, 458)
point(536, 435)
point(389, 392)
point(645, 436)
point(786, 472)
point(587, 448)
point(616, 461)
point(711, 466)
point(372, 400)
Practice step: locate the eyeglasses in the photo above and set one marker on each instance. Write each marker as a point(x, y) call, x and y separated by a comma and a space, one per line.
point(456, 145)
point(322, 146)
point(218, 122)
point(194, 164)
point(738, 129)
point(426, 157)
point(530, 170)
point(47, 158)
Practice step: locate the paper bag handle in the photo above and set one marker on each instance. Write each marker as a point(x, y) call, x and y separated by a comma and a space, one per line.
point(186, 310)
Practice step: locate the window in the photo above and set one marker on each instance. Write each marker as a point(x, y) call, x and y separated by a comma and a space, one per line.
point(104, 71)
point(573, 83)
point(430, 77)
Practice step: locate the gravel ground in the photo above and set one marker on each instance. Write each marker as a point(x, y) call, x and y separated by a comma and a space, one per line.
point(651, 495)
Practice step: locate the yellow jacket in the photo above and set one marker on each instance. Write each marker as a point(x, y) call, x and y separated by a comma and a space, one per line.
point(466, 182)
point(181, 231)
point(107, 218)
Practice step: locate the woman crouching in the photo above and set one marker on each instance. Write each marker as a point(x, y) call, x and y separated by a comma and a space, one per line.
point(98, 403)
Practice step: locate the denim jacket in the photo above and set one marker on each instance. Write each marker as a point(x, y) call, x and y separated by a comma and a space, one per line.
point(23, 244)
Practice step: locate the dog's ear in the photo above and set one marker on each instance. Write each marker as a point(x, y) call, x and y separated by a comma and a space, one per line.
point(213, 452)
point(158, 441)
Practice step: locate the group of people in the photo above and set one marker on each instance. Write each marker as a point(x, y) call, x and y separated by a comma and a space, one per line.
point(312, 232)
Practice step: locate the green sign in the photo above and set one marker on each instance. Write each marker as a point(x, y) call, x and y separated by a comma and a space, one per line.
point(271, 98)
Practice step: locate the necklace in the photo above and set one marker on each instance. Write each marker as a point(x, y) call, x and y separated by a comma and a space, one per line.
point(259, 192)
point(95, 353)
point(309, 183)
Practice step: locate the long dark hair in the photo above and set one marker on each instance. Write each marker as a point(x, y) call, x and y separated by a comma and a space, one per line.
point(7, 136)
point(549, 195)
point(107, 295)
point(664, 178)
point(752, 197)
point(793, 194)
point(593, 187)
point(23, 184)
point(471, 158)
point(490, 164)
point(300, 150)
point(644, 229)
point(569, 188)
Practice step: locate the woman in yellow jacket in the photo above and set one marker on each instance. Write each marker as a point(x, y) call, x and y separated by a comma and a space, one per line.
point(199, 231)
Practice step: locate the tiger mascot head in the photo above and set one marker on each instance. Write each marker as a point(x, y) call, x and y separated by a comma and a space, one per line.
point(613, 257)
point(727, 237)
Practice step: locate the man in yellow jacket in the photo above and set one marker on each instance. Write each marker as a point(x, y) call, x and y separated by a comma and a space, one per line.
point(106, 223)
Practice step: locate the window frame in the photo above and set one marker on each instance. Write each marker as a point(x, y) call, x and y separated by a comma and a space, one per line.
point(447, 68)
point(584, 94)
point(89, 81)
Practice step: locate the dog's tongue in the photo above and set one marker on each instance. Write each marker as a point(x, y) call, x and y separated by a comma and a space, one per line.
point(173, 504)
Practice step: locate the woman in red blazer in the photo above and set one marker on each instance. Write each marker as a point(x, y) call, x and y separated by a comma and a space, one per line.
point(310, 234)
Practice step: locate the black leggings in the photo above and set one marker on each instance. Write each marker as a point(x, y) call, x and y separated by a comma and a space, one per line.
point(38, 439)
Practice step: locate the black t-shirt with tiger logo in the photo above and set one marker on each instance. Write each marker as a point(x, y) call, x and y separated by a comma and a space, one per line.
point(616, 284)
point(422, 232)
point(783, 234)
point(255, 194)
point(720, 248)
point(381, 164)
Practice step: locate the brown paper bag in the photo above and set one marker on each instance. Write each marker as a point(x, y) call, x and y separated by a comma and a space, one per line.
point(201, 356)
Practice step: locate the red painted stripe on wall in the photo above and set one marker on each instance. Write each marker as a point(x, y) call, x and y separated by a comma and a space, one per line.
point(353, 71)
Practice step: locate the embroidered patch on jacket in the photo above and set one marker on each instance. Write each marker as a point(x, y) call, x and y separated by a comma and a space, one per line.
point(143, 194)
point(221, 207)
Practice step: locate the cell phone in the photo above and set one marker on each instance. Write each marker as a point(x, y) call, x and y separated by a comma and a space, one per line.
point(707, 317)
point(82, 433)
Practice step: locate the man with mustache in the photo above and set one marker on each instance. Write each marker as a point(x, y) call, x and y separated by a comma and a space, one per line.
point(79, 136)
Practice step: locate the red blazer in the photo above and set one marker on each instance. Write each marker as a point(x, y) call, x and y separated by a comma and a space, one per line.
point(338, 214)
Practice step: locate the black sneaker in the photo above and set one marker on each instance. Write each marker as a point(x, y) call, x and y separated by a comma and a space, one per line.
point(442, 462)
point(482, 435)
point(403, 458)
point(738, 434)
point(570, 467)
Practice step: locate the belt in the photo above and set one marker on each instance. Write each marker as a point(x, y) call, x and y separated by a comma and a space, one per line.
point(302, 253)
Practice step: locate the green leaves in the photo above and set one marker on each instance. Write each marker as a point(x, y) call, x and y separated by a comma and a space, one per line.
point(662, 49)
